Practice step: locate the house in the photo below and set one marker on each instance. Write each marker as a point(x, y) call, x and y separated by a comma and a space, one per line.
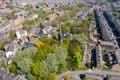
point(18, 18)
point(5, 27)
point(5, 75)
point(99, 57)
point(3, 5)
point(47, 29)
point(21, 33)
point(22, 4)
point(11, 48)
point(23, 40)
point(33, 16)
point(44, 21)
point(5, 11)
point(22, 13)
point(51, 16)
point(16, 21)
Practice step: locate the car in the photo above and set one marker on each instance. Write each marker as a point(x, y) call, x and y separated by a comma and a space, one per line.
point(115, 62)
point(111, 62)
point(110, 58)
point(90, 70)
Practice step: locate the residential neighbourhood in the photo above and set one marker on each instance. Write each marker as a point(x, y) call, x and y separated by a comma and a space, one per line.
point(59, 40)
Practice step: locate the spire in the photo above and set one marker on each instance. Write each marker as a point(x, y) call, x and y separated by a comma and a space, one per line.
point(59, 34)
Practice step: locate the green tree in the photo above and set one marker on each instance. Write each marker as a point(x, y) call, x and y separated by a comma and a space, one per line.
point(41, 25)
point(66, 41)
point(54, 62)
point(23, 59)
point(52, 76)
point(14, 11)
point(49, 65)
point(35, 69)
point(87, 65)
point(9, 16)
point(31, 77)
point(63, 18)
point(12, 35)
point(55, 23)
point(81, 38)
point(39, 55)
point(25, 65)
point(13, 69)
point(74, 47)
point(61, 55)
point(2, 47)
point(76, 61)
point(91, 16)
point(67, 78)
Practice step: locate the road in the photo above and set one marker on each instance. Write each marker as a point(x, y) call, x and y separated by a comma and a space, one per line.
point(71, 73)
point(94, 73)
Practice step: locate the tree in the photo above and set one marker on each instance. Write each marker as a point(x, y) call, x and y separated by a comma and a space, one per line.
point(61, 55)
point(66, 41)
point(87, 65)
point(25, 65)
point(9, 16)
point(31, 77)
point(12, 35)
point(76, 61)
point(35, 69)
point(91, 16)
point(69, 24)
point(81, 38)
point(2, 47)
point(41, 25)
point(14, 11)
point(63, 18)
point(67, 78)
point(55, 23)
point(49, 65)
point(52, 76)
point(75, 56)
point(64, 28)
point(39, 43)
point(39, 55)
point(23, 59)
point(54, 62)
point(72, 13)
point(74, 47)
point(13, 69)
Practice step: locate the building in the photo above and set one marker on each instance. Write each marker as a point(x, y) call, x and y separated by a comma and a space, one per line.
point(21, 33)
point(5, 27)
point(11, 48)
point(99, 59)
point(47, 29)
point(3, 5)
point(33, 16)
point(5, 11)
point(18, 18)
point(52, 16)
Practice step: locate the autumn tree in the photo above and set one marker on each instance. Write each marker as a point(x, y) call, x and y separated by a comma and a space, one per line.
point(39, 43)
